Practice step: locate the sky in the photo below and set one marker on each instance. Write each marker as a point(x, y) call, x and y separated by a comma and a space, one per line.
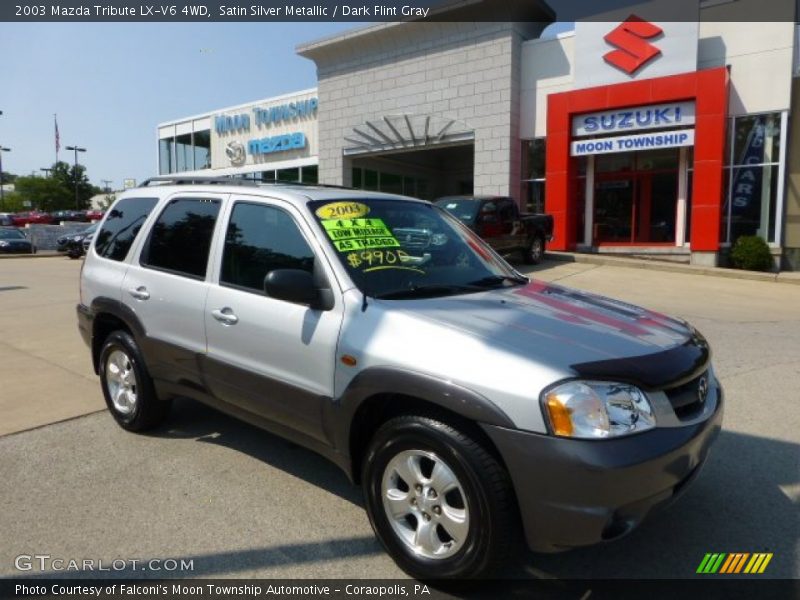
point(111, 84)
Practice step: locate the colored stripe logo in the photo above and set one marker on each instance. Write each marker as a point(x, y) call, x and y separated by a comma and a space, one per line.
point(734, 563)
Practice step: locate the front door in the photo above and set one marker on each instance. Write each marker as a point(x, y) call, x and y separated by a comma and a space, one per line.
point(636, 204)
point(267, 356)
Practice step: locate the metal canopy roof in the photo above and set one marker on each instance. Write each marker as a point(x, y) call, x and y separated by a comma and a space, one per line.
point(392, 133)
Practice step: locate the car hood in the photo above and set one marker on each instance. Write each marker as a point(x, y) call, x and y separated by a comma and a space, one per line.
point(589, 335)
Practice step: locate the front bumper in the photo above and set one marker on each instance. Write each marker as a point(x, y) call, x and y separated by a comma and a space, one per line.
point(579, 492)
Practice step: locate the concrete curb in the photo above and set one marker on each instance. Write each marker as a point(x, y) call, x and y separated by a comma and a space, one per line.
point(37, 255)
point(791, 277)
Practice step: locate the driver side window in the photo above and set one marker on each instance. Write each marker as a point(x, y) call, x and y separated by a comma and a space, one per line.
point(260, 239)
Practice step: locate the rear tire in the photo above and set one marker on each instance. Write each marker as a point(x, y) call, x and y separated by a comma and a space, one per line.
point(534, 252)
point(127, 386)
point(455, 517)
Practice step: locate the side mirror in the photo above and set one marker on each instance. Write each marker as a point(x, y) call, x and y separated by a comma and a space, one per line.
point(292, 285)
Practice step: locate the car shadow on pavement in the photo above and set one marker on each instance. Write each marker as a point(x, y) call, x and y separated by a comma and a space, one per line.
point(193, 420)
point(741, 502)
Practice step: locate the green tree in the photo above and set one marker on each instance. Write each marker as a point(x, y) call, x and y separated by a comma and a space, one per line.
point(106, 202)
point(67, 175)
point(12, 202)
point(44, 193)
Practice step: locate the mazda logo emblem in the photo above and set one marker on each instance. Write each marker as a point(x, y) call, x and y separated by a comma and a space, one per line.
point(702, 389)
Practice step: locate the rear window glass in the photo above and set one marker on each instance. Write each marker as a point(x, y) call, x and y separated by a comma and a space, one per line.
point(121, 226)
point(181, 237)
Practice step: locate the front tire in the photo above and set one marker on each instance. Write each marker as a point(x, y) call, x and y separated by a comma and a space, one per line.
point(438, 501)
point(127, 386)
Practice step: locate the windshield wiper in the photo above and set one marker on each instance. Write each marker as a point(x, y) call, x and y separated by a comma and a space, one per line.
point(433, 289)
point(495, 280)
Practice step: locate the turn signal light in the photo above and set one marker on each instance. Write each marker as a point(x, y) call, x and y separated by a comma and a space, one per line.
point(559, 416)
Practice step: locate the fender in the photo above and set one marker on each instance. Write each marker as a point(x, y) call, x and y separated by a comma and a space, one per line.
point(339, 414)
point(109, 306)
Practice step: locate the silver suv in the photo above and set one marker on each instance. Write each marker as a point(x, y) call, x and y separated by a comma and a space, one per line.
point(470, 402)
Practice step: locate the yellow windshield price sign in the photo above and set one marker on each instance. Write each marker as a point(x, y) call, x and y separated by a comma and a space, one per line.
point(342, 210)
point(359, 234)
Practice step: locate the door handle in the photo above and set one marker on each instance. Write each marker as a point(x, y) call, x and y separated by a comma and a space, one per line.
point(225, 316)
point(140, 293)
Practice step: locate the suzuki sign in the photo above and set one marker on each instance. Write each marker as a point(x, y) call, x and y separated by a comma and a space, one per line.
point(633, 49)
point(653, 116)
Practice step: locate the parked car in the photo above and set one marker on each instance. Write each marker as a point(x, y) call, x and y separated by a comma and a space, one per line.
point(93, 215)
point(498, 221)
point(32, 218)
point(13, 241)
point(68, 215)
point(87, 241)
point(6, 220)
point(71, 244)
point(472, 404)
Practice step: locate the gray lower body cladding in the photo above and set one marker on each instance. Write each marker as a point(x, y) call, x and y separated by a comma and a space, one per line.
point(575, 493)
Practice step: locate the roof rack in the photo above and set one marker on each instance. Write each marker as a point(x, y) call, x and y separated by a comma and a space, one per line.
point(211, 180)
point(195, 179)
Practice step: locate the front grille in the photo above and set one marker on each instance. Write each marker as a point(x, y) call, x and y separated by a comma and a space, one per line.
point(686, 400)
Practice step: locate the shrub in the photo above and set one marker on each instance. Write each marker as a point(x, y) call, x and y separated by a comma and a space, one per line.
point(752, 253)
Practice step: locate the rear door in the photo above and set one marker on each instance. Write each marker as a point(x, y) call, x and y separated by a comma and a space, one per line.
point(268, 356)
point(166, 287)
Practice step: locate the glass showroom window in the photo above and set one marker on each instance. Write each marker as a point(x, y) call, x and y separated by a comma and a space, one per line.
point(184, 152)
point(202, 149)
point(166, 156)
point(754, 181)
point(533, 170)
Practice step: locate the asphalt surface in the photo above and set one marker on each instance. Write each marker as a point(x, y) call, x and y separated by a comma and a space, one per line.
point(239, 502)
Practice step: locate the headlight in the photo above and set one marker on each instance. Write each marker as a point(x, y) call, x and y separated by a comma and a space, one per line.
point(3, 244)
point(597, 409)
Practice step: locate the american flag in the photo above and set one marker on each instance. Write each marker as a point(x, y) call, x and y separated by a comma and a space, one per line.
point(58, 137)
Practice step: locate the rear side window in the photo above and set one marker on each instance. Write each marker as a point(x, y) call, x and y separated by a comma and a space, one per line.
point(122, 224)
point(261, 239)
point(181, 237)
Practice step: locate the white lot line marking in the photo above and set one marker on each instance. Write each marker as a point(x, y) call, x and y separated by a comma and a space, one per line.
point(791, 491)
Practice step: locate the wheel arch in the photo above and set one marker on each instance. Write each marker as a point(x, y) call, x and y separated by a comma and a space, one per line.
point(111, 315)
point(372, 398)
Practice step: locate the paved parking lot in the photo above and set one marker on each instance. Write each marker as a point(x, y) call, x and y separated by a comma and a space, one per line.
point(240, 502)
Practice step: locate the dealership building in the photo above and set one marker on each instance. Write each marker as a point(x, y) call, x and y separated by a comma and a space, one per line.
point(646, 138)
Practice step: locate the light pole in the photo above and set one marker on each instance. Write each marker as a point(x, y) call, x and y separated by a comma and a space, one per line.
point(76, 149)
point(2, 197)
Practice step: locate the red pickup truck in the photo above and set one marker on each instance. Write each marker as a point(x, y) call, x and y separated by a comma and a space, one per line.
point(498, 221)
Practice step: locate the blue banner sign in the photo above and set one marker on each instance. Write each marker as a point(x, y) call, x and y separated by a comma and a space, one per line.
point(265, 117)
point(626, 143)
point(633, 119)
point(277, 143)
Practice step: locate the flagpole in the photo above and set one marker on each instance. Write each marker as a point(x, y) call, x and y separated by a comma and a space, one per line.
point(55, 120)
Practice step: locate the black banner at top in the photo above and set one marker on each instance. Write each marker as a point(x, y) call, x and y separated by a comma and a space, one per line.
point(393, 10)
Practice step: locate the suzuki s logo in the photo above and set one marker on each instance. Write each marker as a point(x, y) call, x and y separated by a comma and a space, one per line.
point(633, 51)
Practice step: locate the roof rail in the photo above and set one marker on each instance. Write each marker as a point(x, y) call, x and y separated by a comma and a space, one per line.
point(217, 180)
point(195, 179)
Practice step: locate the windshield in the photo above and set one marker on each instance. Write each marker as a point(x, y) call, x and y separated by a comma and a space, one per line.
point(464, 209)
point(11, 234)
point(397, 249)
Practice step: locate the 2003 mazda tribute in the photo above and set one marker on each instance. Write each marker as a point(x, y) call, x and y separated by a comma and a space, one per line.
point(380, 332)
